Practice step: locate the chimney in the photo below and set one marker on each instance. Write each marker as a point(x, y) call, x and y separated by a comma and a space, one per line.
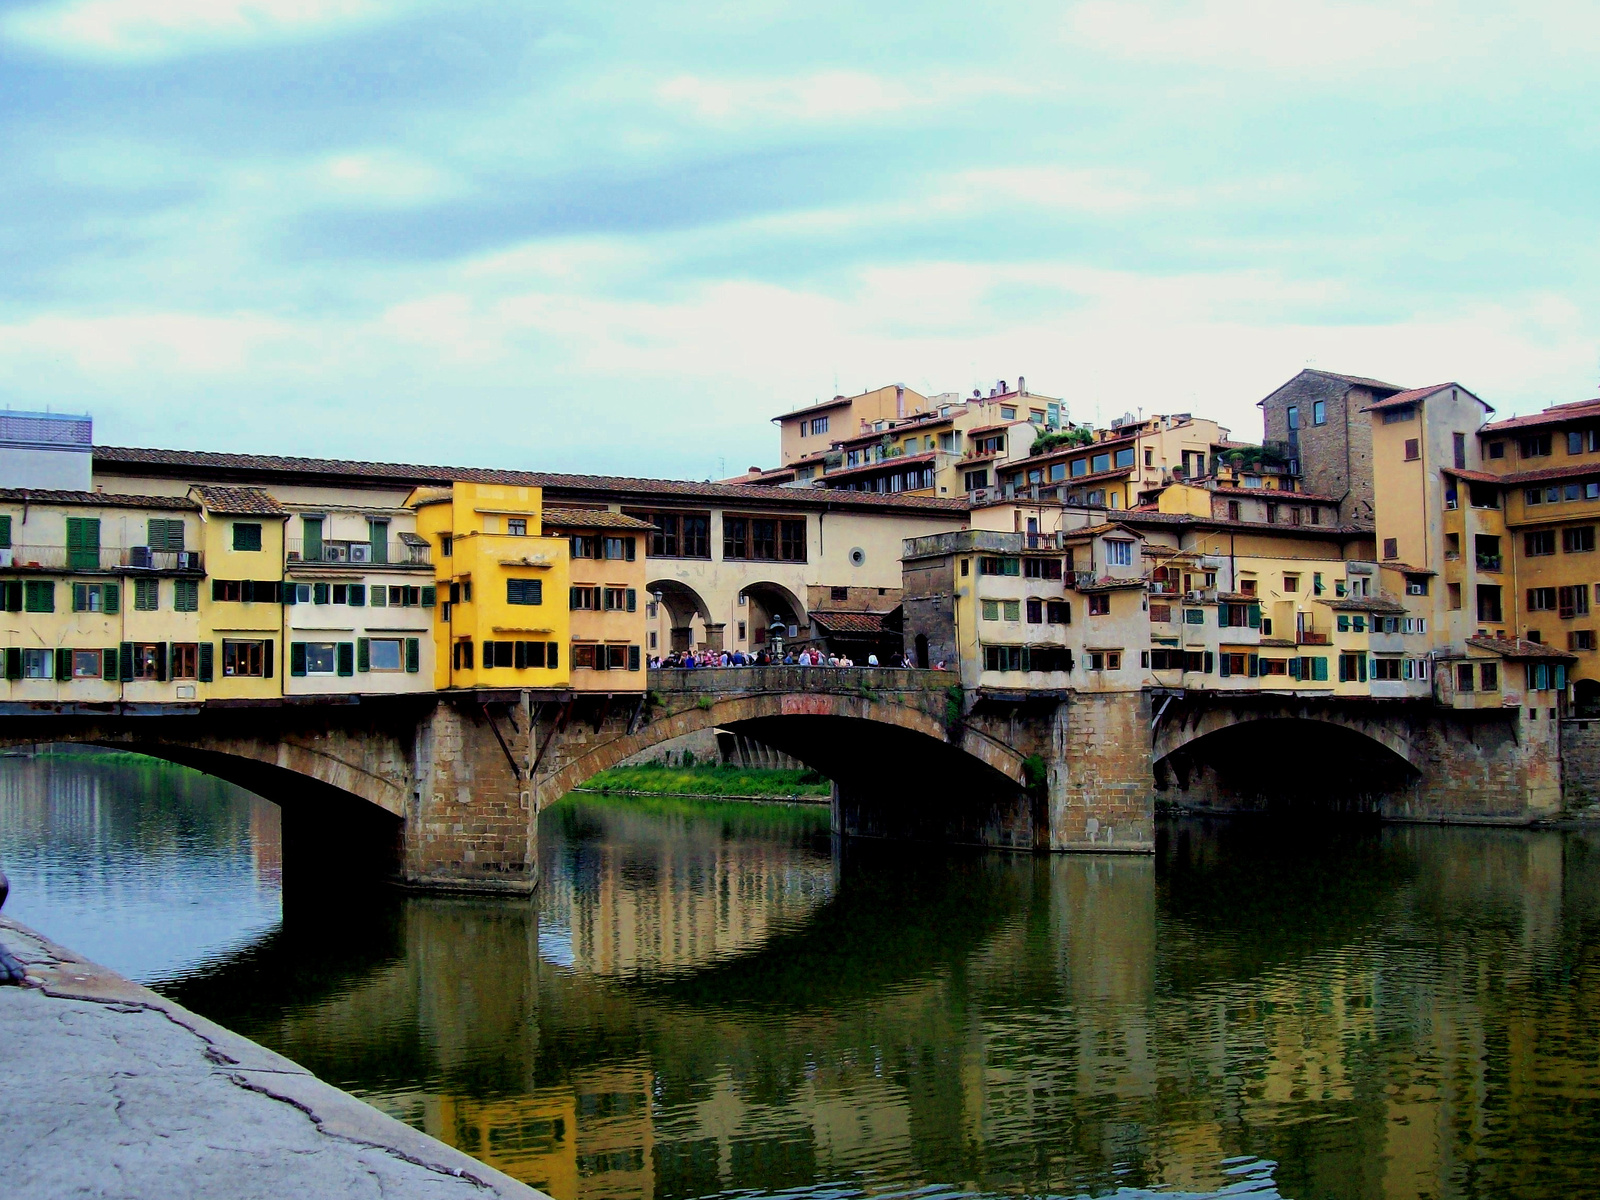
point(1022, 386)
point(899, 399)
point(1003, 388)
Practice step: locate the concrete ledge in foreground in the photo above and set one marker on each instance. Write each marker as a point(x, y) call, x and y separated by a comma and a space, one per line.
point(106, 1089)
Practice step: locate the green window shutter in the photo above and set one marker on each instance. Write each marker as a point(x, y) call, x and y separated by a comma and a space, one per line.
point(363, 654)
point(430, 596)
point(1294, 668)
point(347, 659)
point(552, 658)
point(108, 663)
point(1210, 662)
point(63, 664)
point(1363, 668)
point(1222, 666)
point(208, 660)
point(358, 595)
point(1319, 669)
point(112, 596)
point(297, 658)
point(80, 597)
point(633, 598)
point(266, 660)
point(246, 535)
point(1255, 616)
point(378, 537)
point(11, 595)
point(633, 658)
point(320, 593)
point(5, 531)
point(125, 661)
point(290, 594)
point(1222, 615)
point(413, 655)
point(1255, 665)
point(311, 539)
point(83, 543)
point(163, 653)
point(13, 662)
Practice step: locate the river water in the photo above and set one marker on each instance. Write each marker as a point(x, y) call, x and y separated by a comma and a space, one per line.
point(714, 1000)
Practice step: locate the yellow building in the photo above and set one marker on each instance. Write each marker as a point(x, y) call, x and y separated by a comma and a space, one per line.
point(503, 618)
point(1113, 468)
point(241, 609)
point(100, 597)
point(607, 596)
point(805, 431)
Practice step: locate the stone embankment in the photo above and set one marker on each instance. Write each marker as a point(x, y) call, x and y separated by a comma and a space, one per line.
point(110, 1090)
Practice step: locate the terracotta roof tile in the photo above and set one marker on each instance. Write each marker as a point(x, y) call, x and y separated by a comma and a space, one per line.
point(1554, 415)
point(581, 518)
point(238, 501)
point(839, 621)
point(1411, 397)
point(1275, 496)
point(214, 463)
point(97, 499)
point(1517, 648)
point(1368, 604)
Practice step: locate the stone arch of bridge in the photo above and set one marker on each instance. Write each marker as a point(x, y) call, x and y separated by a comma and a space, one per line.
point(844, 735)
point(1185, 729)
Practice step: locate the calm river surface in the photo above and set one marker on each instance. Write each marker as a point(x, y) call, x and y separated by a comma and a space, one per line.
point(713, 1001)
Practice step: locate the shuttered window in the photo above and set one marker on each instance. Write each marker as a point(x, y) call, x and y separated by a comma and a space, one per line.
point(5, 531)
point(186, 595)
point(246, 535)
point(83, 543)
point(147, 595)
point(524, 591)
point(164, 533)
point(39, 596)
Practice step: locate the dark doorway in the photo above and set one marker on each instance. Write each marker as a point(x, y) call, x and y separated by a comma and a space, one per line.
point(922, 651)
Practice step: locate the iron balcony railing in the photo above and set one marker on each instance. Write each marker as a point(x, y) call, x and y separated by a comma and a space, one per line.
point(332, 552)
point(1309, 637)
point(100, 559)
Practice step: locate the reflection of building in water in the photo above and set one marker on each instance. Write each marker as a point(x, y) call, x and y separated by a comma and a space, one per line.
point(631, 907)
point(266, 843)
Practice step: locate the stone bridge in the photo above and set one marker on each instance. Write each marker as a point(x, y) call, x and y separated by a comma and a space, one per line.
point(444, 790)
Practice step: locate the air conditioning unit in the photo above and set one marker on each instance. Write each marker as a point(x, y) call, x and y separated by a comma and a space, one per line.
point(138, 556)
point(360, 553)
point(1416, 589)
point(5, 557)
point(335, 553)
point(188, 560)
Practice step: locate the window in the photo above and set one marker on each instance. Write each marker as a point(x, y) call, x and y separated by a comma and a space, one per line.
point(96, 597)
point(1058, 612)
point(246, 535)
point(1578, 541)
point(185, 660)
point(1272, 514)
point(384, 654)
point(1319, 412)
point(763, 539)
point(525, 591)
point(1194, 616)
point(1008, 412)
point(1497, 449)
point(1041, 568)
point(1352, 668)
point(1536, 445)
point(617, 599)
point(1572, 601)
point(1293, 415)
point(1465, 677)
point(1291, 583)
point(1002, 658)
point(83, 543)
point(517, 526)
point(618, 549)
point(1105, 660)
point(1035, 608)
point(86, 664)
point(1580, 639)
point(1100, 604)
point(164, 534)
point(38, 664)
point(147, 595)
point(1272, 666)
point(247, 658)
point(5, 531)
point(1119, 554)
point(1452, 493)
point(1011, 610)
point(584, 597)
point(999, 566)
point(991, 610)
point(38, 595)
point(678, 535)
point(1413, 449)
point(1402, 413)
point(461, 655)
point(1391, 547)
point(1233, 510)
point(1539, 542)
point(1489, 676)
point(1489, 602)
point(1080, 466)
point(447, 545)
point(819, 425)
point(1386, 669)
point(320, 658)
point(973, 480)
point(1099, 462)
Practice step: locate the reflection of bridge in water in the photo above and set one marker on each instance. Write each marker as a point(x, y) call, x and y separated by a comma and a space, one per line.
point(444, 790)
point(940, 1019)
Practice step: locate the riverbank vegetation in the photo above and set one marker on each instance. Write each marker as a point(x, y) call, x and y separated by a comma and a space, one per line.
point(709, 779)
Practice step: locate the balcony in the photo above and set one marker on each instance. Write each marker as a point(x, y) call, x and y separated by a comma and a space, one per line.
point(102, 560)
point(1488, 562)
point(1309, 637)
point(397, 555)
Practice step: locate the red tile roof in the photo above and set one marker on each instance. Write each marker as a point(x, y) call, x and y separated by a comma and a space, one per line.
point(1274, 495)
point(1412, 397)
point(883, 464)
point(1556, 414)
point(581, 518)
point(191, 464)
point(820, 406)
point(1474, 476)
point(1543, 474)
point(238, 501)
point(1517, 648)
point(838, 621)
point(1071, 480)
point(95, 499)
point(1358, 380)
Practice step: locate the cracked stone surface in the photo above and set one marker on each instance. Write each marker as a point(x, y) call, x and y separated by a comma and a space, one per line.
point(108, 1090)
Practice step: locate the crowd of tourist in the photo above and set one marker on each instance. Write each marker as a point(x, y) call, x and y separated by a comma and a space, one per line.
point(807, 657)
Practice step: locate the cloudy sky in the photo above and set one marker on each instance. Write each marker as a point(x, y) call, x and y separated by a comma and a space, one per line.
point(621, 238)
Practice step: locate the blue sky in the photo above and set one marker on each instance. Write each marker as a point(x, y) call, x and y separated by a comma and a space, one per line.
point(620, 239)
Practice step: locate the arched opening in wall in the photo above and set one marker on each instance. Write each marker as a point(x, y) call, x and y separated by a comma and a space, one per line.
point(1586, 697)
point(772, 616)
point(1285, 765)
point(682, 618)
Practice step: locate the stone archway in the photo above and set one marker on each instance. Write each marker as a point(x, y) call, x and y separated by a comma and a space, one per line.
point(681, 606)
point(767, 602)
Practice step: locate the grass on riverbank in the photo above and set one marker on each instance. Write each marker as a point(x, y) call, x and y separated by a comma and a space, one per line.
point(708, 780)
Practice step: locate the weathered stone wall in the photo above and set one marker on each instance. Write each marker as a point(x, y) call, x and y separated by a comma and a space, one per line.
point(1102, 790)
point(1580, 764)
point(1335, 457)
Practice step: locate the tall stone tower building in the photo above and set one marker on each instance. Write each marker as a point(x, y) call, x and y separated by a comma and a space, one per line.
point(1318, 417)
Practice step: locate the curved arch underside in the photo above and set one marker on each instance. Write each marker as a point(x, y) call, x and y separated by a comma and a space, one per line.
point(1271, 761)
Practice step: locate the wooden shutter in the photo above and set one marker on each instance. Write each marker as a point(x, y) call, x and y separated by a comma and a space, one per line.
point(552, 656)
point(319, 593)
point(80, 597)
point(163, 654)
point(208, 659)
point(266, 660)
point(125, 662)
point(311, 539)
point(63, 664)
point(111, 597)
point(1319, 669)
point(633, 658)
point(5, 531)
point(1255, 616)
point(519, 655)
point(363, 654)
point(1253, 664)
point(413, 655)
point(297, 658)
point(358, 595)
point(1222, 666)
point(430, 596)
point(1210, 663)
point(1222, 615)
point(83, 543)
point(633, 599)
point(13, 662)
point(346, 658)
point(488, 654)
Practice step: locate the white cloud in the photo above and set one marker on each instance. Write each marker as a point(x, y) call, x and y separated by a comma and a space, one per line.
point(149, 30)
point(827, 96)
